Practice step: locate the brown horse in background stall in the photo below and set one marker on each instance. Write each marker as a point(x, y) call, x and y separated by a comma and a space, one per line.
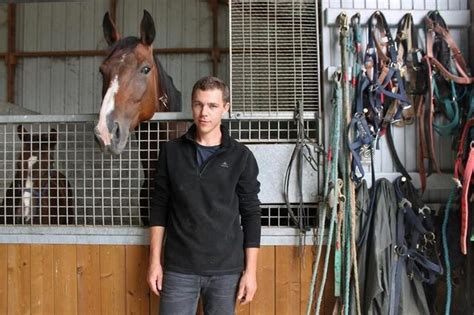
point(134, 87)
point(39, 194)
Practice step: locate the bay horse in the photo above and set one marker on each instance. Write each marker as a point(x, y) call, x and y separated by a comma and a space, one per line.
point(38, 194)
point(134, 87)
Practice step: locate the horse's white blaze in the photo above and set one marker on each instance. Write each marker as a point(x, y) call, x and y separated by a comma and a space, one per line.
point(26, 198)
point(108, 105)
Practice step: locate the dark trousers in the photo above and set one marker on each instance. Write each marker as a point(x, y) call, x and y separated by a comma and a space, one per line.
point(180, 294)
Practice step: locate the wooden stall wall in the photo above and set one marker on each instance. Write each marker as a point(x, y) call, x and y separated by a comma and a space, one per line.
point(110, 279)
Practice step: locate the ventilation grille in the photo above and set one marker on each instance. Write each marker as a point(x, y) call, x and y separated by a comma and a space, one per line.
point(274, 56)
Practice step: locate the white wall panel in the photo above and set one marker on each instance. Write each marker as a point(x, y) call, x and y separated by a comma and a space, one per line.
point(73, 85)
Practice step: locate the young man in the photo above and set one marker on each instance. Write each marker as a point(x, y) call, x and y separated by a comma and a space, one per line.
point(206, 200)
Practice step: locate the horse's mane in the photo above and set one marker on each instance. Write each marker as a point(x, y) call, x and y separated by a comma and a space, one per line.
point(128, 44)
point(174, 95)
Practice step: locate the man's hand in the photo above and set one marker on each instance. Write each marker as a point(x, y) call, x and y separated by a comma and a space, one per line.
point(155, 277)
point(247, 287)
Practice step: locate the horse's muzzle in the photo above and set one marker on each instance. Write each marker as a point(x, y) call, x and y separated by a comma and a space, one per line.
point(113, 141)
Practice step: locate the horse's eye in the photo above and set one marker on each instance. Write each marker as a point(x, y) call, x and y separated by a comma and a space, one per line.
point(146, 69)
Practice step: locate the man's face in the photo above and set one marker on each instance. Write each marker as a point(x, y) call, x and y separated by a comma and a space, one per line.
point(208, 107)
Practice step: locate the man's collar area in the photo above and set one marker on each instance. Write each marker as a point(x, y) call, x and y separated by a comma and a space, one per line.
point(191, 135)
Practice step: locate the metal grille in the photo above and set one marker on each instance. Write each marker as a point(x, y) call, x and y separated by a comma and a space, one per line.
point(274, 56)
point(104, 190)
point(277, 215)
point(269, 131)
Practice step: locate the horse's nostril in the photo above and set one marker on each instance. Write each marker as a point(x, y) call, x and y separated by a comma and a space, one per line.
point(116, 131)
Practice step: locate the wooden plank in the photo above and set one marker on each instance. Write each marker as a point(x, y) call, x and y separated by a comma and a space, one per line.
point(154, 303)
point(287, 273)
point(328, 296)
point(65, 279)
point(136, 264)
point(18, 274)
point(112, 279)
point(264, 301)
point(3, 279)
point(88, 276)
point(42, 288)
point(242, 309)
point(306, 274)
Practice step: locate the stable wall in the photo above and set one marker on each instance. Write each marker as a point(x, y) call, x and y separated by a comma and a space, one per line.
point(72, 85)
point(111, 279)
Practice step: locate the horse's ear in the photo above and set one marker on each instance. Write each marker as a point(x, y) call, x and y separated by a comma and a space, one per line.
point(147, 29)
point(22, 132)
point(110, 30)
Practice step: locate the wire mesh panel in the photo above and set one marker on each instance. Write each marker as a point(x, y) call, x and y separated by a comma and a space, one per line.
point(277, 215)
point(98, 188)
point(274, 56)
point(54, 173)
point(270, 131)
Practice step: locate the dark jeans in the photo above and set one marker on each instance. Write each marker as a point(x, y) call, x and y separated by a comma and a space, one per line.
point(180, 294)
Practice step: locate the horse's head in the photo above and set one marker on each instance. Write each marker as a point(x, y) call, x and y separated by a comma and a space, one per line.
point(33, 169)
point(131, 88)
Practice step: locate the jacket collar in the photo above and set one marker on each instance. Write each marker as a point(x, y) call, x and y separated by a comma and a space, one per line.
point(191, 135)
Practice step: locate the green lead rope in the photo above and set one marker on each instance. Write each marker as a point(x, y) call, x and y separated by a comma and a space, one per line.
point(330, 177)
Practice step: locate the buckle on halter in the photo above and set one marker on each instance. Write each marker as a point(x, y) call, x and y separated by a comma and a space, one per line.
point(429, 238)
point(425, 210)
point(404, 203)
point(164, 100)
point(373, 87)
point(401, 251)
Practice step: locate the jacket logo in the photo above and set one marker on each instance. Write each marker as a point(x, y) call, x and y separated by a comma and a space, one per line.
point(224, 165)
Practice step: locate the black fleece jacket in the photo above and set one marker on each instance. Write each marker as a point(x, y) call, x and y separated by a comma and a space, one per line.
point(211, 213)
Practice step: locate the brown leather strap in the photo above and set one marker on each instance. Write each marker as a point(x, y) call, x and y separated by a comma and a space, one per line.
point(456, 52)
point(423, 150)
point(432, 149)
point(431, 31)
